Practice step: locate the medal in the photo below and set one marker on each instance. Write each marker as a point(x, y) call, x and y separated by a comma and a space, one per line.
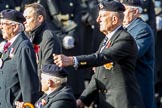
point(109, 65)
point(1, 63)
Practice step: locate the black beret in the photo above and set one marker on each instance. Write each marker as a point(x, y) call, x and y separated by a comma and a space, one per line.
point(132, 2)
point(54, 70)
point(111, 6)
point(13, 15)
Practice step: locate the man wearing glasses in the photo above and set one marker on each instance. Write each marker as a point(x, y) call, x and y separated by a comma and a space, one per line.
point(18, 68)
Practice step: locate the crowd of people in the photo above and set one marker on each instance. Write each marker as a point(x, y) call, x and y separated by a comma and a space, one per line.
point(81, 53)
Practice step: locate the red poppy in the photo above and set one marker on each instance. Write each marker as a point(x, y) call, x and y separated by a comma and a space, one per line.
point(36, 48)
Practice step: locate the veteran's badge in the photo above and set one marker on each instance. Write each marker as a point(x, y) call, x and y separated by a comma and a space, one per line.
point(1, 63)
point(11, 55)
point(108, 65)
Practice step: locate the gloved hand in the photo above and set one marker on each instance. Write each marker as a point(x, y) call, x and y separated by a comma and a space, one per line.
point(158, 23)
point(68, 42)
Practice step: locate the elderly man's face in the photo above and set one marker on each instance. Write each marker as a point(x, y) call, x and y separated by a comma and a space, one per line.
point(32, 21)
point(44, 82)
point(129, 15)
point(7, 29)
point(105, 21)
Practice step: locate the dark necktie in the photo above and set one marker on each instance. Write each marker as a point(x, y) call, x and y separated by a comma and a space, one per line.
point(104, 43)
point(6, 46)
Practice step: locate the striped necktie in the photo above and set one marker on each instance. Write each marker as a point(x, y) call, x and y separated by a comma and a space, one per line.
point(104, 43)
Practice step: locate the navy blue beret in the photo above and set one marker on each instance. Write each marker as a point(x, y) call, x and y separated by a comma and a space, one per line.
point(13, 15)
point(132, 2)
point(111, 6)
point(54, 70)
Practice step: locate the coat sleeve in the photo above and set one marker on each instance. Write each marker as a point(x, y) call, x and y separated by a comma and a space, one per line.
point(27, 74)
point(50, 45)
point(120, 49)
point(144, 39)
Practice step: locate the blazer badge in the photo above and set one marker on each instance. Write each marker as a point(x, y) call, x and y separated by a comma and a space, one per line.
point(108, 65)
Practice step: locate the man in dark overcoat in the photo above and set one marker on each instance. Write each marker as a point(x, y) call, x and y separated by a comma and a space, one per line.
point(114, 83)
point(44, 40)
point(66, 18)
point(18, 68)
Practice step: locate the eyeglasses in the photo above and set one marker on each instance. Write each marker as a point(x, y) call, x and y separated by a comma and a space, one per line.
point(5, 24)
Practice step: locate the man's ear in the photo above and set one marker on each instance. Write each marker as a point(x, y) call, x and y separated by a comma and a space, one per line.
point(50, 83)
point(40, 18)
point(16, 27)
point(114, 20)
point(136, 12)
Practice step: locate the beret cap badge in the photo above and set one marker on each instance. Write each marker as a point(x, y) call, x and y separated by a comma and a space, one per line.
point(113, 6)
point(101, 6)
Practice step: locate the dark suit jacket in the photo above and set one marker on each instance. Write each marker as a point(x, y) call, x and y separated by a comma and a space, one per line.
point(115, 87)
point(18, 75)
point(144, 37)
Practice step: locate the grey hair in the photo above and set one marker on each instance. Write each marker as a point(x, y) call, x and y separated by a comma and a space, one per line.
point(137, 7)
point(21, 26)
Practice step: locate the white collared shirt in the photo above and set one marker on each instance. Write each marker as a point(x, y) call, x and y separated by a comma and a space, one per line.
point(13, 39)
point(112, 33)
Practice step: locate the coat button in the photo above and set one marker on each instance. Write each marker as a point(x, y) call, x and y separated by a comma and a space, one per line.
point(99, 91)
point(104, 77)
point(95, 106)
point(105, 91)
point(71, 4)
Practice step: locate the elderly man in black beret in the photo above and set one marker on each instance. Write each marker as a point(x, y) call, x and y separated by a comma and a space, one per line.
point(114, 83)
point(144, 36)
point(18, 68)
point(57, 93)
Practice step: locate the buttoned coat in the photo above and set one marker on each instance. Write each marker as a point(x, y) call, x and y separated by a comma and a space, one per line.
point(18, 74)
point(144, 37)
point(114, 84)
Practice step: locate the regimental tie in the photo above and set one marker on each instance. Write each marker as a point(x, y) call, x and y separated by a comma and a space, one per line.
point(104, 43)
point(6, 46)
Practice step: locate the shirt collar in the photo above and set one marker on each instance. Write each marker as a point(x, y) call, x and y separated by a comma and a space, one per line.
point(13, 39)
point(112, 33)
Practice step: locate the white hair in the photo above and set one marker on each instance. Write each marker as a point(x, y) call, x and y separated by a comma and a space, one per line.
point(21, 26)
point(137, 7)
point(57, 80)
